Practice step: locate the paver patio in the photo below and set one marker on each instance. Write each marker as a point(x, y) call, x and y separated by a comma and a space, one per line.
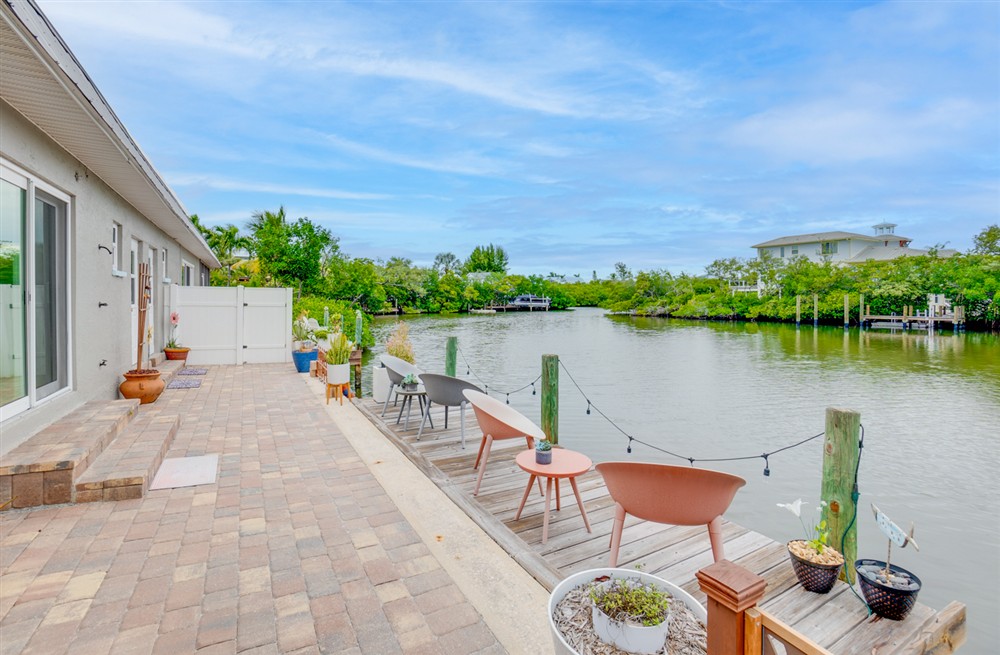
point(295, 549)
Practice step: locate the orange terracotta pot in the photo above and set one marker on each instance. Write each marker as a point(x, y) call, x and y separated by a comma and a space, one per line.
point(145, 385)
point(177, 353)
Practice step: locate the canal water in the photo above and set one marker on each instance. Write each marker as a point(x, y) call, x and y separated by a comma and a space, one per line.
point(929, 405)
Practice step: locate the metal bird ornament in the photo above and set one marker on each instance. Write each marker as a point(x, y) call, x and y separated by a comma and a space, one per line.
point(893, 531)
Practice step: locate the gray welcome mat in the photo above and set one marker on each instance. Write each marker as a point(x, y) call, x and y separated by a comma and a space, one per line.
point(192, 371)
point(184, 384)
point(186, 472)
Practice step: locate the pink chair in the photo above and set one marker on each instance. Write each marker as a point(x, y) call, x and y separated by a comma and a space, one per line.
point(678, 495)
point(498, 420)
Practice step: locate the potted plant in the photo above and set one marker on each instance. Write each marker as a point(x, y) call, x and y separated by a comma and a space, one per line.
point(304, 351)
point(142, 383)
point(338, 357)
point(543, 451)
point(631, 614)
point(815, 563)
point(174, 350)
point(574, 617)
point(410, 382)
point(322, 338)
point(890, 590)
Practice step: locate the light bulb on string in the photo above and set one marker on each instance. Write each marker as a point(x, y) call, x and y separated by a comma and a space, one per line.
point(532, 388)
point(588, 407)
point(767, 469)
point(629, 449)
point(508, 399)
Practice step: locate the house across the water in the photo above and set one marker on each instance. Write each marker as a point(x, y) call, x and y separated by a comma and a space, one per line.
point(80, 208)
point(845, 247)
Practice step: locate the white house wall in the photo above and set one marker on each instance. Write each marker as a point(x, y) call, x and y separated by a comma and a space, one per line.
point(97, 333)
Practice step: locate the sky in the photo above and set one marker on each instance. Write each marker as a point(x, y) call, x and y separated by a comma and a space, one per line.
point(664, 135)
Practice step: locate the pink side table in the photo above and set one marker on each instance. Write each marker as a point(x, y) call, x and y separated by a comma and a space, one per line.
point(565, 464)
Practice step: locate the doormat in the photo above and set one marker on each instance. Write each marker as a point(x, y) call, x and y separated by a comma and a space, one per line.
point(186, 472)
point(192, 371)
point(184, 384)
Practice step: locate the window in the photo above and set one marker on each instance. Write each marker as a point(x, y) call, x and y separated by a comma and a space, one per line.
point(187, 274)
point(795, 251)
point(163, 266)
point(782, 255)
point(116, 247)
point(829, 248)
point(34, 327)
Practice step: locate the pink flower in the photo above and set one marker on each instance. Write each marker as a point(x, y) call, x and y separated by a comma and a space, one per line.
point(175, 318)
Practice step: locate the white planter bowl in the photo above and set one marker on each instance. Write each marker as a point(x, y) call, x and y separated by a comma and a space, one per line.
point(577, 579)
point(380, 383)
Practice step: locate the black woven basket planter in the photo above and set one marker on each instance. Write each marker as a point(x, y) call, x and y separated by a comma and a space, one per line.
point(885, 600)
point(818, 578)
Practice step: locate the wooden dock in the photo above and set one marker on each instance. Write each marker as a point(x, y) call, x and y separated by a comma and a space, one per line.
point(838, 621)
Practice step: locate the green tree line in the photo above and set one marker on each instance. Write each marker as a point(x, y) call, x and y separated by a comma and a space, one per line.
point(308, 258)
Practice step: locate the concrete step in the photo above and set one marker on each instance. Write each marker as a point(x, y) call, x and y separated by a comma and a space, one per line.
point(127, 466)
point(42, 470)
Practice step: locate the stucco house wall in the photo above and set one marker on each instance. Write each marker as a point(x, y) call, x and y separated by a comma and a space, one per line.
point(98, 316)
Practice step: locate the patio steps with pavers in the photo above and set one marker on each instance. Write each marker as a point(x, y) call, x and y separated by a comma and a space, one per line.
point(42, 470)
point(127, 466)
point(50, 466)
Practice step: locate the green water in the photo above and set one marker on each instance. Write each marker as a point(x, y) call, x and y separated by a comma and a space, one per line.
point(930, 406)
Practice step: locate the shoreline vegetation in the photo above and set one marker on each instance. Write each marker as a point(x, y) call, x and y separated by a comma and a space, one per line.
point(307, 257)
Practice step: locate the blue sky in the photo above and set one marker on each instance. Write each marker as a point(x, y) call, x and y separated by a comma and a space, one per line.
point(575, 135)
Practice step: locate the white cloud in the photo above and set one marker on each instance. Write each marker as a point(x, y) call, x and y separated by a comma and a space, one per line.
point(464, 163)
point(224, 184)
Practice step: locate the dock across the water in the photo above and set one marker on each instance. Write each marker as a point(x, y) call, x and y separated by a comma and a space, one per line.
point(837, 621)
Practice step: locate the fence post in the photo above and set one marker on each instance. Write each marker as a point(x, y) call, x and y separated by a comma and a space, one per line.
point(550, 397)
point(451, 356)
point(731, 591)
point(841, 450)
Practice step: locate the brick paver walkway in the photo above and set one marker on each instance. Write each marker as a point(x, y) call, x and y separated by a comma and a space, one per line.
point(296, 548)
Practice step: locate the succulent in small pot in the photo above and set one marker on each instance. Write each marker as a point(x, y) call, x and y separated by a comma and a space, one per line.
point(816, 564)
point(631, 614)
point(543, 451)
point(410, 382)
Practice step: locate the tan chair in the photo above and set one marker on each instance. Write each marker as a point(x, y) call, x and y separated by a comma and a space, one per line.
point(498, 420)
point(678, 495)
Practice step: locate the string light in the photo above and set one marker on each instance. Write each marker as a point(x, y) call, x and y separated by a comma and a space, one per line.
point(588, 407)
point(629, 449)
point(767, 469)
point(508, 399)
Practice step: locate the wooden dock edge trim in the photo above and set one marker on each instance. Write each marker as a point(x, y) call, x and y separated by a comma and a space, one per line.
point(530, 561)
point(760, 619)
point(944, 633)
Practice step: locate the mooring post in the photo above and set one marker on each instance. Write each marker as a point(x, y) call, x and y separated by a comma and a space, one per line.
point(861, 311)
point(815, 310)
point(847, 311)
point(841, 450)
point(798, 310)
point(550, 397)
point(451, 356)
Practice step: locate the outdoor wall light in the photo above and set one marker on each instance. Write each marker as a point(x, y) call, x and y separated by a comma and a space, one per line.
point(101, 246)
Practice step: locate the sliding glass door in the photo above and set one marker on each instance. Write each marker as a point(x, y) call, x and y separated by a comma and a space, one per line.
point(34, 318)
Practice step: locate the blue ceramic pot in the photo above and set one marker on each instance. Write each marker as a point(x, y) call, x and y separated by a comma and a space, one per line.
point(302, 359)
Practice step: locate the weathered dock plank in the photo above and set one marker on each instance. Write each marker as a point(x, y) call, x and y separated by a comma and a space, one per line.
point(837, 620)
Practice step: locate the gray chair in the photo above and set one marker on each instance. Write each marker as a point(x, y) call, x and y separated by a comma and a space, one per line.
point(447, 391)
point(397, 369)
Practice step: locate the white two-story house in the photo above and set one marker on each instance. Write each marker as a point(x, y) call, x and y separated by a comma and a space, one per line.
point(845, 247)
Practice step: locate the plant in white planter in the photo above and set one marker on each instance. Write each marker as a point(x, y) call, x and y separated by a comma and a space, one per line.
point(410, 382)
point(574, 621)
point(338, 359)
point(543, 451)
point(631, 615)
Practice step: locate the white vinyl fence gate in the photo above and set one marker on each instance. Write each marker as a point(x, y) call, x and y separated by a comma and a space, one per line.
point(233, 325)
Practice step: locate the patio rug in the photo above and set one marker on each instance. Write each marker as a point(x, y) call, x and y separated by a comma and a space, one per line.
point(184, 384)
point(186, 472)
point(192, 371)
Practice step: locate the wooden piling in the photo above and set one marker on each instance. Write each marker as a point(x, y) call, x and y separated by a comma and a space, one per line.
point(451, 356)
point(861, 311)
point(841, 450)
point(550, 397)
point(815, 309)
point(798, 310)
point(847, 310)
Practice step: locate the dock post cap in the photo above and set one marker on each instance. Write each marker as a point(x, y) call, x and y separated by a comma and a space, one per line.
point(731, 585)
